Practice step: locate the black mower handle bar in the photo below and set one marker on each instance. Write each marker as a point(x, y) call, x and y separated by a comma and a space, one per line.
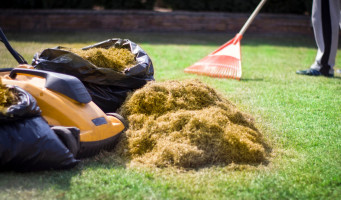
point(15, 54)
point(16, 71)
point(65, 84)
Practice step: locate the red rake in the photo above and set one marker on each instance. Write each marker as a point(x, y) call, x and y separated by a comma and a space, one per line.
point(225, 62)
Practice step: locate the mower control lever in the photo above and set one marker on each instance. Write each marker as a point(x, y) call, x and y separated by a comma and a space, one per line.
point(67, 85)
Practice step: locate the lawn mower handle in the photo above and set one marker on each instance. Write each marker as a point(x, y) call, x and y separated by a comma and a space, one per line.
point(16, 71)
point(14, 53)
point(67, 85)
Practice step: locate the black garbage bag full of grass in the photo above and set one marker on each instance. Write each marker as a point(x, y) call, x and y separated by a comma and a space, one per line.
point(107, 87)
point(27, 143)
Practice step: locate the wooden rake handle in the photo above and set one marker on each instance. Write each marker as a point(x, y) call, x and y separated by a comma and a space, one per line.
point(252, 17)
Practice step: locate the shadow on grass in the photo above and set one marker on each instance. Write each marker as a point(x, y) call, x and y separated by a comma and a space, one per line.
point(251, 79)
point(61, 181)
point(41, 180)
point(337, 77)
point(52, 179)
point(176, 38)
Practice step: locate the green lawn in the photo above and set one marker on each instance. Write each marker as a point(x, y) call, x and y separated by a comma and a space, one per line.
point(299, 116)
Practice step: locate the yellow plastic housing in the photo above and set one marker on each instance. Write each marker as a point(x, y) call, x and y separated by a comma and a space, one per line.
point(60, 110)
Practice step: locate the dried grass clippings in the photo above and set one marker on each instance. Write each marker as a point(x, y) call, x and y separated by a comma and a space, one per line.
point(187, 124)
point(7, 98)
point(117, 59)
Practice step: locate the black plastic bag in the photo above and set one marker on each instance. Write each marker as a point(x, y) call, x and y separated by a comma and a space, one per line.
point(107, 87)
point(27, 142)
point(25, 108)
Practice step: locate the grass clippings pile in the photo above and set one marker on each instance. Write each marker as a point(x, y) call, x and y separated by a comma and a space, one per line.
point(6, 97)
point(188, 125)
point(117, 59)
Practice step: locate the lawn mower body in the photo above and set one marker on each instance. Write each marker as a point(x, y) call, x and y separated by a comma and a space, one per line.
point(64, 101)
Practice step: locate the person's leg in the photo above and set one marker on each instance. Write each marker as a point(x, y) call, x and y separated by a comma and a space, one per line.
point(326, 30)
point(325, 19)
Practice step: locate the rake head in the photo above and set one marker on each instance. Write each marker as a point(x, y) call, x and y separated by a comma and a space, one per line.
point(224, 62)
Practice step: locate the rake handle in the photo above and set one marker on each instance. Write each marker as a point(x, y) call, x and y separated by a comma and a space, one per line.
point(252, 17)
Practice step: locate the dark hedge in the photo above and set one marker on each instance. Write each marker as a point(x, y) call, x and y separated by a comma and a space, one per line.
point(272, 6)
point(78, 4)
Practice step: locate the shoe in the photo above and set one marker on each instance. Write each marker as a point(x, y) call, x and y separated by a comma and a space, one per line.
point(338, 71)
point(313, 72)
